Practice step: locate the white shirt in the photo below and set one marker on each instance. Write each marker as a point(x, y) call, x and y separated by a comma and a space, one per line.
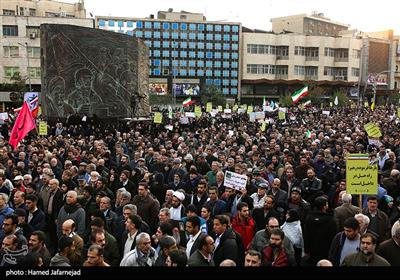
point(190, 243)
point(176, 213)
point(128, 243)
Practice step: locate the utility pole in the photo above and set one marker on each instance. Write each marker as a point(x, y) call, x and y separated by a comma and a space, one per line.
point(27, 57)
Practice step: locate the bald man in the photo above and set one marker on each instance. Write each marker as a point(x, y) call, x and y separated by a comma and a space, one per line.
point(72, 210)
point(68, 229)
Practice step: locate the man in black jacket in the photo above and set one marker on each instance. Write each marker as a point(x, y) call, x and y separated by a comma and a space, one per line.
point(261, 215)
point(203, 255)
point(225, 242)
point(319, 230)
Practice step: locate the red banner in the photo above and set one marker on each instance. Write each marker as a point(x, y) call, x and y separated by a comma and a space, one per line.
point(23, 124)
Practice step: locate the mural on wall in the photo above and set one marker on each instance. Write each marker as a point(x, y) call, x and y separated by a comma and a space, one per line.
point(90, 71)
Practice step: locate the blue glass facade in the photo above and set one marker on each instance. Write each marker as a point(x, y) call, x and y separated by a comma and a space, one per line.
point(205, 51)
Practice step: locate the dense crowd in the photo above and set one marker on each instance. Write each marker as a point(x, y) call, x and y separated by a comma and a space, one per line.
point(144, 194)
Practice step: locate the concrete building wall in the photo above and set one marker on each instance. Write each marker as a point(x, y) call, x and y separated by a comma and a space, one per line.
point(292, 40)
point(25, 39)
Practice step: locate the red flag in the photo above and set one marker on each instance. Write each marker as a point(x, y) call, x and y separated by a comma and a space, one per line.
point(23, 124)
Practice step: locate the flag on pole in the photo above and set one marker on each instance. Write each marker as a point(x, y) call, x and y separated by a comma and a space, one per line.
point(308, 134)
point(33, 106)
point(187, 102)
point(23, 124)
point(169, 111)
point(307, 103)
point(272, 104)
point(336, 102)
point(264, 101)
point(373, 105)
point(300, 94)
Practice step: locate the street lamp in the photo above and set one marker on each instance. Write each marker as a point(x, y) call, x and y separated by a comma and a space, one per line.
point(27, 57)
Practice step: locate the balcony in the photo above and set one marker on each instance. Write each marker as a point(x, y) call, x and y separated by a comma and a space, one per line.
point(281, 76)
point(312, 58)
point(282, 57)
point(311, 77)
point(341, 59)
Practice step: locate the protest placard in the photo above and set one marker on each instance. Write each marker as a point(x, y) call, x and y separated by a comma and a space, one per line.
point(235, 180)
point(361, 176)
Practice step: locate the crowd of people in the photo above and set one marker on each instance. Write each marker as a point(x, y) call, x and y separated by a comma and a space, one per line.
point(146, 194)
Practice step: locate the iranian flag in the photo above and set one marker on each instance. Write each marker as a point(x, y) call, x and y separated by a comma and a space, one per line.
point(187, 102)
point(299, 94)
point(308, 134)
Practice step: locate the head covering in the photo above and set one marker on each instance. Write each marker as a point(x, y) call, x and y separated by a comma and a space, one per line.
point(296, 189)
point(177, 160)
point(263, 186)
point(18, 177)
point(388, 198)
point(188, 157)
point(179, 195)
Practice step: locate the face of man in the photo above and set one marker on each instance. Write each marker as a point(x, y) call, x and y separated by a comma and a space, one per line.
point(213, 195)
point(93, 259)
point(190, 229)
point(162, 216)
point(104, 204)
point(350, 233)
point(8, 227)
point(145, 245)
point(142, 192)
point(209, 248)
point(8, 244)
point(366, 246)
point(295, 196)
point(289, 173)
point(273, 223)
point(168, 196)
point(18, 198)
point(275, 241)
point(261, 191)
point(244, 213)
point(100, 239)
point(204, 213)
point(201, 189)
point(268, 203)
point(310, 174)
point(175, 202)
point(252, 261)
point(372, 205)
point(34, 244)
point(218, 227)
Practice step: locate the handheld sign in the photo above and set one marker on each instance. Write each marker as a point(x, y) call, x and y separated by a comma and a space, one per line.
point(373, 130)
point(209, 107)
point(361, 176)
point(157, 117)
point(235, 180)
point(43, 128)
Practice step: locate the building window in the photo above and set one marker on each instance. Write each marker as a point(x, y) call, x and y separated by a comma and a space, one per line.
point(175, 35)
point(330, 52)
point(235, 56)
point(235, 47)
point(165, 35)
point(102, 23)
point(200, 36)
point(120, 23)
point(328, 71)
point(235, 64)
point(258, 69)
point(10, 72)
point(299, 51)
point(184, 45)
point(34, 52)
point(34, 72)
point(10, 30)
point(201, 27)
point(147, 24)
point(312, 53)
point(184, 36)
point(147, 34)
point(210, 27)
point(112, 23)
point(218, 28)
point(165, 25)
point(235, 38)
point(32, 12)
point(11, 51)
point(235, 29)
point(156, 25)
point(192, 27)
point(218, 37)
point(8, 12)
point(227, 28)
point(311, 72)
point(355, 72)
point(356, 53)
point(209, 46)
point(175, 26)
point(183, 26)
point(157, 44)
point(227, 37)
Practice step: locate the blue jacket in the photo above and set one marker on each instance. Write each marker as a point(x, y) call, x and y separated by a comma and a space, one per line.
point(3, 213)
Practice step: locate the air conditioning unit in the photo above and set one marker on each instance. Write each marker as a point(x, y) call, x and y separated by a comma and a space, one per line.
point(339, 78)
point(32, 35)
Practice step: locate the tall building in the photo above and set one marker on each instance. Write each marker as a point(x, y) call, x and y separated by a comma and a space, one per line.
point(186, 51)
point(397, 63)
point(316, 24)
point(272, 64)
point(20, 36)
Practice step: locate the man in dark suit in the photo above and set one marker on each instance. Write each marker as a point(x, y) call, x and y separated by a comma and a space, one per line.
point(237, 197)
point(261, 215)
point(111, 216)
point(203, 255)
point(54, 204)
point(279, 195)
point(35, 216)
point(225, 243)
point(217, 205)
point(193, 229)
point(128, 240)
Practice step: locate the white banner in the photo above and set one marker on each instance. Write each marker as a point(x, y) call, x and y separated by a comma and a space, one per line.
point(235, 180)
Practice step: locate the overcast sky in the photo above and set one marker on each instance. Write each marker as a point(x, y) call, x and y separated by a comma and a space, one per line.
point(365, 15)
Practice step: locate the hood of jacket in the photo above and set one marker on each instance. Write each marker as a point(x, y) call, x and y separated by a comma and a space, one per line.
point(321, 218)
point(59, 260)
